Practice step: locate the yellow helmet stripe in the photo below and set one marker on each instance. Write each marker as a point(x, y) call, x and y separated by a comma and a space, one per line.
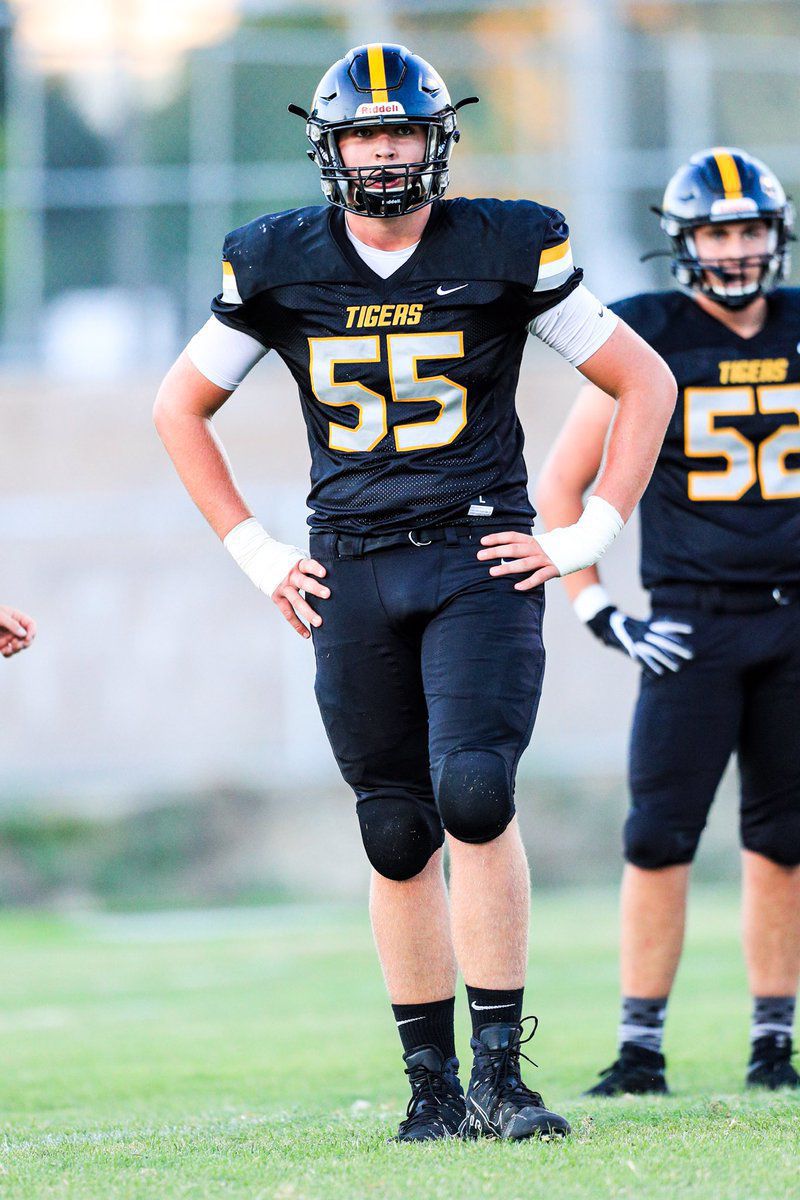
point(729, 174)
point(377, 73)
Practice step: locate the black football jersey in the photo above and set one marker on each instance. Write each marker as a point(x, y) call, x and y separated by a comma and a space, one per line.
point(406, 384)
point(723, 505)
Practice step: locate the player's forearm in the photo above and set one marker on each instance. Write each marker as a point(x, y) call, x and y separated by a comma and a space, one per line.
point(186, 402)
point(200, 460)
point(559, 502)
point(634, 443)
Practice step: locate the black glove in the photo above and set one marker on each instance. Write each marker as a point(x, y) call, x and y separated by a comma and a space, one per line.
point(655, 644)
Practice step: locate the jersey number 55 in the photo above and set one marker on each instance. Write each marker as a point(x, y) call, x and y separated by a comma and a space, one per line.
point(405, 351)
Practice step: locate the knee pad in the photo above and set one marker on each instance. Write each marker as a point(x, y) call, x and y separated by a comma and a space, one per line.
point(474, 794)
point(400, 833)
point(650, 842)
point(778, 840)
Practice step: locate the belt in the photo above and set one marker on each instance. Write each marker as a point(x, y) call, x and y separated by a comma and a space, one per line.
point(354, 545)
point(724, 599)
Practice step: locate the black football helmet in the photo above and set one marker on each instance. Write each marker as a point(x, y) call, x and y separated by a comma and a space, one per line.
point(717, 186)
point(382, 84)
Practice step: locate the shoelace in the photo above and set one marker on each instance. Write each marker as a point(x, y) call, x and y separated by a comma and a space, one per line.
point(504, 1066)
point(427, 1088)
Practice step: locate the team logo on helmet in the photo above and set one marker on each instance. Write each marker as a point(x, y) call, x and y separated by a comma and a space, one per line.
point(382, 84)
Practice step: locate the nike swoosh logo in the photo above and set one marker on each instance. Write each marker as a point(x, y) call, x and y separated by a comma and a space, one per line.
point(442, 291)
point(408, 1020)
point(485, 1007)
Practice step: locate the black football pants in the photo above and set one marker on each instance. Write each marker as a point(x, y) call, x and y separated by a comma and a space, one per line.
point(740, 694)
point(429, 673)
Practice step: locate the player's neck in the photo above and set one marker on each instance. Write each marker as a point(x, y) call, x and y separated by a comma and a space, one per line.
point(389, 233)
point(746, 322)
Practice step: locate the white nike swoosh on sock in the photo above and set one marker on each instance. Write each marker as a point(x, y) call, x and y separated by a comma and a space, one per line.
point(408, 1020)
point(484, 1007)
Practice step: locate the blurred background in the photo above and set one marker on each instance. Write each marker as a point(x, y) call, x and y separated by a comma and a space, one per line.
point(160, 742)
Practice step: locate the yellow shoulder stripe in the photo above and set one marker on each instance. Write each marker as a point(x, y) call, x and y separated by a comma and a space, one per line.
point(377, 73)
point(729, 173)
point(227, 269)
point(555, 253)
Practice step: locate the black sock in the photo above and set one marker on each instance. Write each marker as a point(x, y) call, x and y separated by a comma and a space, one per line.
point(773, 1016)
point(641, 1021)
point(429, 1024)
point(490, 1006)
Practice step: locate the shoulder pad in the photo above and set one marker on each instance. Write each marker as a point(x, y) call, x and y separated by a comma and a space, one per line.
point(787, 300)
point(275, 249)
point(650, 313)
point(508, 239)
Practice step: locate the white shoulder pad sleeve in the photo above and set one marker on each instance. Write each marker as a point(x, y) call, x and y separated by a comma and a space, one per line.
point(224, 355)
point(576, 327)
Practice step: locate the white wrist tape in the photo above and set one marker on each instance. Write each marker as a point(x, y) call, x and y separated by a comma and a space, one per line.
point(592, 600)
point(265, 561)
point(582, 544)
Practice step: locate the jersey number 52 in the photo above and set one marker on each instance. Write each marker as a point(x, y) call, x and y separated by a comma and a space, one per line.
point(404, 351)
point(705, 438)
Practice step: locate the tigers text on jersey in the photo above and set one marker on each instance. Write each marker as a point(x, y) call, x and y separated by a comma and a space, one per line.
point(407, 384)
point(723, 505)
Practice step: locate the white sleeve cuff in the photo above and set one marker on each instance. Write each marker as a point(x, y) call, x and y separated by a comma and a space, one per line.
point(592, 600)
point(577, 327)
point(224, 355)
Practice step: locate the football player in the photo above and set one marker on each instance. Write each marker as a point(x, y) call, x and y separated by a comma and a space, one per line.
point(17, 631)
point(403, 318)
point(720, 654)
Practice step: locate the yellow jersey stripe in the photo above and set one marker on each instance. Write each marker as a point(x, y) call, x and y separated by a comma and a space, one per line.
point(729, 174)
point(555, 253)
point(377, 73)
point(230, 290)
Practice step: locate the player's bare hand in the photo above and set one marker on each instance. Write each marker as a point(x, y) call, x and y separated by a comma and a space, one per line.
point(521, 553)
point(17, 631)
point(305, 576)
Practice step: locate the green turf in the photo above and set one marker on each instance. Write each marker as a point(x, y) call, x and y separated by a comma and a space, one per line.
point(249, 1055)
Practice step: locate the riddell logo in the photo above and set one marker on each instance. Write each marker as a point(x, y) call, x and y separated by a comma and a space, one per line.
point(732, 207)
point(389, 108)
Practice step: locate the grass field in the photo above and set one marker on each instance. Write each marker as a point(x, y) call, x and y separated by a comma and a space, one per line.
point(248, 1055)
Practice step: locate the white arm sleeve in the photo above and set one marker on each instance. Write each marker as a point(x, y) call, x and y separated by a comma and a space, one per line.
point(576, 327)
point(224, 355)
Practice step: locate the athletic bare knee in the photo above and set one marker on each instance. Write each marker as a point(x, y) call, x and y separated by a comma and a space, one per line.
point(474, 794)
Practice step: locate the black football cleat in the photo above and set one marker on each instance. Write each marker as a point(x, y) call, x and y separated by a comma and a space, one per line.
point(436, 1108)
point(770, 1063)
point(637, 1072)
point(499, 1105)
